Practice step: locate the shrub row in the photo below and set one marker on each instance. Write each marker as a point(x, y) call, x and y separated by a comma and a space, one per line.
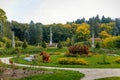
point(71, 61)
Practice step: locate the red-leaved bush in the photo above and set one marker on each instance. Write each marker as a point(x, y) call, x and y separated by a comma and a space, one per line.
point(77, 49)
point(45, 57)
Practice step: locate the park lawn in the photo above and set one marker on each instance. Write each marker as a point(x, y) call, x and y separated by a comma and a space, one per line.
point(58, 75)
point(4, 52)
point(109, 78)
point(92, 61)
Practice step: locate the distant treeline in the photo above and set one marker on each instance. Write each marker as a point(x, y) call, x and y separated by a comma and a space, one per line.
point(79, 30)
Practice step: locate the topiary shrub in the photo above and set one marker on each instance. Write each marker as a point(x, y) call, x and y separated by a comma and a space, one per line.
point(78, 50)
point(44, 44)
point(24, 46)
point(59, 45)
point(97, 45)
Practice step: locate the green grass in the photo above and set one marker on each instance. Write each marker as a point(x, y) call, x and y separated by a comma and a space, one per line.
point(58, 75)
point(92, 62)
point(109, 78)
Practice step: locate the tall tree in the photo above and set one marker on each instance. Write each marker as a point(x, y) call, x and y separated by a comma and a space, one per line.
point(39, 33)
point(117, 21)
point(19, 29)
point(3, 19)
point(94, 25)
point(32, 33)
point(83, 32)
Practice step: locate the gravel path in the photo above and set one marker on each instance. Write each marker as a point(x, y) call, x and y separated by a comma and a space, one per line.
point(90, 74)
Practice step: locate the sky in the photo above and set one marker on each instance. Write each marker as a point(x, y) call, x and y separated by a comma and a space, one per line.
point(58, 11)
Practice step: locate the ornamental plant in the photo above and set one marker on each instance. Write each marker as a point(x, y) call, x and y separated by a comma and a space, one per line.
point(24, 46)
point(72, 61)
point(78, 50)
point(44, 44)
point(45, 57)
point(59, 46)
point(117, 60)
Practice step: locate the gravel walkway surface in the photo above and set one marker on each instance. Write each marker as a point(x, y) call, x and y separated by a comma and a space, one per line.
point(90, 74)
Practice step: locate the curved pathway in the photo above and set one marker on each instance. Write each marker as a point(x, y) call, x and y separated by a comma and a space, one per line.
point(90, 74)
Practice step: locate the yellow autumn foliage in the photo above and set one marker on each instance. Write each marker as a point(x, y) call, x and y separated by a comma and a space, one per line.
point(104, 34)
point(83, 30)
point(77, 61)
point(111, 42)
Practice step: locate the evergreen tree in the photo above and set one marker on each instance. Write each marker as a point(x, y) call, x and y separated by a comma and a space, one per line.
point(3, 19)
point(97, 45)
point(59, 45)
point(39, 33)
point(24, 46)
point(44, 44)
point(32, 33)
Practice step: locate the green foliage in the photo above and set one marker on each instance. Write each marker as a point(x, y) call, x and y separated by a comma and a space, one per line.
point(117, 60)
point(44, 44)
point(117, 42)
point(68, 42)
point(39, 33)
point(18, 43)
point(5, 40)
point(24, 46)
point(97, 45)
point(1, 44)
point(59, 45)
point(112, 42)
point(32, 33)
point(8, 45)
point(3, 19)
point(72, 61)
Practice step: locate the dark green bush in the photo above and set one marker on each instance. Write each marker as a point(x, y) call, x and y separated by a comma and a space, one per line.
point(59, 45)
point(24, 46)
point(97, 45)
point(44, 44)
point(8, 45)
